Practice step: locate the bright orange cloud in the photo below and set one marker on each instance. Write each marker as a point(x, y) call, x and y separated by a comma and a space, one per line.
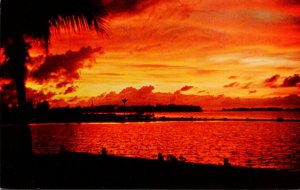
point(170, 44)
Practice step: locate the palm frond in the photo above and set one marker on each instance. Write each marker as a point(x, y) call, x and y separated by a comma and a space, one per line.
point(34, 18)
point(82, 14)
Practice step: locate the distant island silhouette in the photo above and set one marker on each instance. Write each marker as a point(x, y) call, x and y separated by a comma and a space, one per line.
point(261, 109)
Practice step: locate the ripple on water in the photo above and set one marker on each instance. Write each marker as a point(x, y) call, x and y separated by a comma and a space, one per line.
point(251, 144)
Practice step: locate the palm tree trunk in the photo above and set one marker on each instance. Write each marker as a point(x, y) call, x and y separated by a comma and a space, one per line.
point(16, 163)
point(17, 52)
point(25, 134)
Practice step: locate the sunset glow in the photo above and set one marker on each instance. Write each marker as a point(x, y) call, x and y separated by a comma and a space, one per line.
point(210, 53)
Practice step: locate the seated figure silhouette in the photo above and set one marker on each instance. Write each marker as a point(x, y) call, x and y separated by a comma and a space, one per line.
point(62, 149)
point(103, 152)
point(226, 162)
point(182, 159)
point(171, 157)
point(160, 157)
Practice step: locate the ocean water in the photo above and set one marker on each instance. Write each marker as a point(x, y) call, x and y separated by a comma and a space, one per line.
point(257, 144)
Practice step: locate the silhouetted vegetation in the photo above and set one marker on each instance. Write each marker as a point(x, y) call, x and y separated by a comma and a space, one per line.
point(41, 112)
point(36, 19)
point(143, 108)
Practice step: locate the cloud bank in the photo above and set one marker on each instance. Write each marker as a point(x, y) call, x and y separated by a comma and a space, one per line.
point(146, 95)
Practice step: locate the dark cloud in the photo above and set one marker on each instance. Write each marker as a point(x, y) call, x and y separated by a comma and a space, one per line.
point(133, 7)
point(38, 95)
point(292, 99)
point(58, 103)
point(74, 99)
point(141, 96)
point(252, 91)
point(63, 68)
point(271, 82)
point(11, 86)
point(9, 95)
point(7, 67)
point(232, 77)
point(233, 84)
point(116, 7)
point(70, 89)
point(291, 81)
point(62, 84)
point(295, 20)
point(291, 2)
point(247, 85)
point(142, 93)
point(273, 79)
point(146, 96)
point(5, 70)
point(203, 91)
point(186, 88)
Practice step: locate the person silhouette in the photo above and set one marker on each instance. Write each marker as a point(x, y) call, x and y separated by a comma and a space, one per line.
point(103, 152)
point(172, 158)
point(226, 162)
point(160, 157)
point(62, 149)
point(182, 159)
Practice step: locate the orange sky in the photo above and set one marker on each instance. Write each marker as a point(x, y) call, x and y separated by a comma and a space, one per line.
point(194, 52)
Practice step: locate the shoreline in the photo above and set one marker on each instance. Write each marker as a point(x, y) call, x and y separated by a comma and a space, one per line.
point(164, 119)
point(83, 170)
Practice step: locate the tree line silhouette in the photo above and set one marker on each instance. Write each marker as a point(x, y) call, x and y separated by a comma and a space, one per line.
point(41, 112)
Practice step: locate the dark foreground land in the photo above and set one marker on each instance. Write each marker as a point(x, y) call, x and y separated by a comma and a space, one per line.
point(80, 170)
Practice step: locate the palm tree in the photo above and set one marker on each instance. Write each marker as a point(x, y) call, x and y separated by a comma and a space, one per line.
point(35, 19)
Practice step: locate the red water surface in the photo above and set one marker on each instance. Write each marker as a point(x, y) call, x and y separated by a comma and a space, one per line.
point(251, 144)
